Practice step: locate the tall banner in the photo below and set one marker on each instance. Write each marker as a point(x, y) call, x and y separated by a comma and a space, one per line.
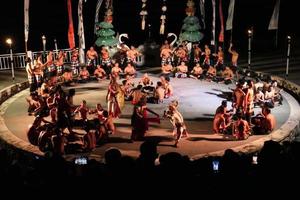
point(275, 16)
point(221, 35)
point(81, 33)
point(98, 6)
point(71, 37)
point(230, 15)
point(26, 19)
point(213, 27)
point(202, 12)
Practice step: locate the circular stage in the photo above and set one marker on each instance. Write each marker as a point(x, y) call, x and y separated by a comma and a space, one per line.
point(198, 101)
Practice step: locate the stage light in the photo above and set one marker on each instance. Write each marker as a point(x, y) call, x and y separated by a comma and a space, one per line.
point(9, 42)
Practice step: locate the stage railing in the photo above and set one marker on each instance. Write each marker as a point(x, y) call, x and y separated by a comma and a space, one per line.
point(19, 59)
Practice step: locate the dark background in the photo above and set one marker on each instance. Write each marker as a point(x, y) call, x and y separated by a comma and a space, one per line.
point(50, 18)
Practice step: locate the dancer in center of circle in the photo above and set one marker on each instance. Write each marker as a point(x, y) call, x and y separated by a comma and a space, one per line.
point(177, 121)
point(111, 98)
point(140, 119)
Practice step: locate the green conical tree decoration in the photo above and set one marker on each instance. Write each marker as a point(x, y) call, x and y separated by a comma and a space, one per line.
point(105, 35)
point(190, 30)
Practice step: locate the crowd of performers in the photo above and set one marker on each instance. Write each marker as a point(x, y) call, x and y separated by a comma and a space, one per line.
point(188, 60)
point(57, 119)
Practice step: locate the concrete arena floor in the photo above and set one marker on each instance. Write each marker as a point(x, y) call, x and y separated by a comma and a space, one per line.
point(198, 102)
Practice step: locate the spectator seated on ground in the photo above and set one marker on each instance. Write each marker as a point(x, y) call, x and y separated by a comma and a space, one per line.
point(227, 75)
point(145, 80)
point(116, 71)
point(182, 71)
point(211, 73)
point(166, 70)
point(264, 123)
point(99, 73)
point(259, 98)
point(84, 75)
point(129, 71)
point(197, 72)
point(33, 102)
point(241, 128)
point(158, 94)
point(219, 123)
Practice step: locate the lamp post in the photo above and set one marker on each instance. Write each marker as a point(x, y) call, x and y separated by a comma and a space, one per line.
point(249, 47)
point(9, 42)
point(55, 45)
point(44, 47)
point(288, 56)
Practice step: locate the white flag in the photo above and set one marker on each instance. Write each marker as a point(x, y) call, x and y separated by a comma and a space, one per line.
point(212, 42)
point(81, 33)
point(230, 15)
point(26, 19)
point(98, 6)
point(274, 19)
point(202, 11)
point(80, 26)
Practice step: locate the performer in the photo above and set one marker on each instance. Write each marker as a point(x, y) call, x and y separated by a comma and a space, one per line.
point(177, 121)
point(38, 71)
point(129, 71)
point(132, 54)
point(60, 63)
point(30, 75)
point(111, 99)
point(166, 55)
point(241, 128)
point(115, 71)
point(75, 62)
point(105, 60)
point(206, 53)
point(220, 59)
point(91, 56)
point(197, 53)
point(197, 72)
point(99, 73)
point(140, 119)
point(182, 70)
point(234, 57)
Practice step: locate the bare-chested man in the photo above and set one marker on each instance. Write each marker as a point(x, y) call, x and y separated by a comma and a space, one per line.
point(129, 71)
point(166, 55)
point(166, 69)
point(206, 53)
point(132, 54)
point(91, 56)
point(75, 62)
point(181, 53)
point(30, 74)
point(115, 71)
point(227, 75)
point(220, 59)
point(38, 68)
point(182, 70)
point(99, 73)
point(176, 119)
point(197, 72)
point(60, 63)
point(105, 59)
point(234, 57)
point(197, 53)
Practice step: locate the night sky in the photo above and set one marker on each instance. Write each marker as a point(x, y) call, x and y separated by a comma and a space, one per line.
point(50, 17)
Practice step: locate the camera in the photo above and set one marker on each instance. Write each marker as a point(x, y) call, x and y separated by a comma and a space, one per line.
point(215, 165)
point(81, 160)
